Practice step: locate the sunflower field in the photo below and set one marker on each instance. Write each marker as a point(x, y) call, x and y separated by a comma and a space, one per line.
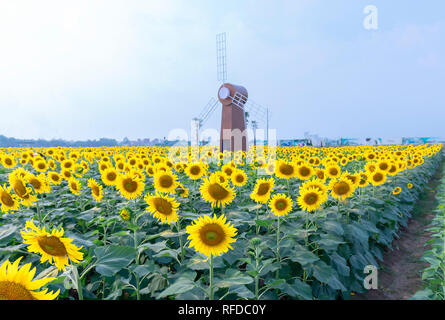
point(194, 223)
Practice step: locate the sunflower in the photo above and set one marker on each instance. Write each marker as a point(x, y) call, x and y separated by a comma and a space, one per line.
point(40, 165)
point(378, 177)
point(341, 188)
point(54, 178)
point(333, 171)
point(363, 179)
point(8, 161)
point(211, 236)
point(18, 284)
point(321, 174)
point(397, 190)
point(182, 191)
point(8, 200)
point(66, 174)
point(195, 171)
point(228, 169)
point(409, 185)
point(68, 164)
point(262, 190)
point(165, 181)
point(217, 193)
point(130, 186)
point(304, 172)
point(219, 176)
point(53, 247)
point(317, 184)
point(163, 208)
point(280, 204)
point(74, 185)
point(109, 176)
point(39, 183)
point(285, 170)
point(239, 178)
point(270, 168)
point(125, 214)
point(24, 193)
point(311, 199)
point(96, 190)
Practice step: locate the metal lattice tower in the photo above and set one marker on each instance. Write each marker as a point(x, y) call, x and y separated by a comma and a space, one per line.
point(221, 57)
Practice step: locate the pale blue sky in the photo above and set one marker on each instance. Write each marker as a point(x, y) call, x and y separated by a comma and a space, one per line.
point(92, 69)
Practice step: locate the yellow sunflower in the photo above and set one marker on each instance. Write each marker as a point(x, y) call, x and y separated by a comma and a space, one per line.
point(53, 247)
point(39, 183)
point(285, 170)
point(218, 194)
point(409, 185)
point(211, 236)
point(16, 283)
point(305, 172)
point(280, 204)
point(163, 208)
point(109, 176)
point(130, 186)
point(8, 200)
point(165, 181)
point(74, 185)
point(54, 178)
point(333, 171)
point(341, 188)
point(8, 161)
point(195, 171)
point(311, 199)
point(377, 177)
point(239, 178)
point(397, 190)
point(96, 190)
point(262, 190)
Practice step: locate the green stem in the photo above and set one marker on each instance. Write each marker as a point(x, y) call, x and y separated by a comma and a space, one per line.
point(211, 277)
point(181, 245)
point(278, 245)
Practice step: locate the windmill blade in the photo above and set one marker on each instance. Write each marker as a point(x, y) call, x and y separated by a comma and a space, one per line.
point(207, 111)
point(256, 111)
point(221, 57)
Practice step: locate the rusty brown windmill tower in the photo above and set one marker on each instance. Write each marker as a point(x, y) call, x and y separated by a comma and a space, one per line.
point(235, 104)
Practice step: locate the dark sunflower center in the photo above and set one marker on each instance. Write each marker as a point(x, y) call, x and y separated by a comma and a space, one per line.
point(8, 161)
point(95, 190)
point(341, 188)
point(311, 198)
point(239, 178)
point(19, 189)
point(304, 171)
point(281, 204)
point(286, 169)
point(383, 166)
point(378, 177)
point(163, 206)
point(35, 183)
point(195, 170)
point(212, 234)
point(7, 199)
point(228, 171)
point(217, 192)
point(14, 291)
point(41, 165)
point(320, 175)
point(55, 177)
point(333, 171)
point(52, 245)
point(263, 189)
point(111, 176)
point(130, 185)
point(166, 181)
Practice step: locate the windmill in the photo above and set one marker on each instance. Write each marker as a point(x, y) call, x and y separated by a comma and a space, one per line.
point(235, 104)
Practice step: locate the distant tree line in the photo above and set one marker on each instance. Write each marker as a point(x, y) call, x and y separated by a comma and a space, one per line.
point(6, 142)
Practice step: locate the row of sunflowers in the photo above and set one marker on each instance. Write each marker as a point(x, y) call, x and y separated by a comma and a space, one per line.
point(194, 223)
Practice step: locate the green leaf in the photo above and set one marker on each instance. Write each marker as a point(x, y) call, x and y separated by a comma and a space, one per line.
point(112, 259)
point(264, 223)
point(233, 277)
point(180, 286)
point(303, 256)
